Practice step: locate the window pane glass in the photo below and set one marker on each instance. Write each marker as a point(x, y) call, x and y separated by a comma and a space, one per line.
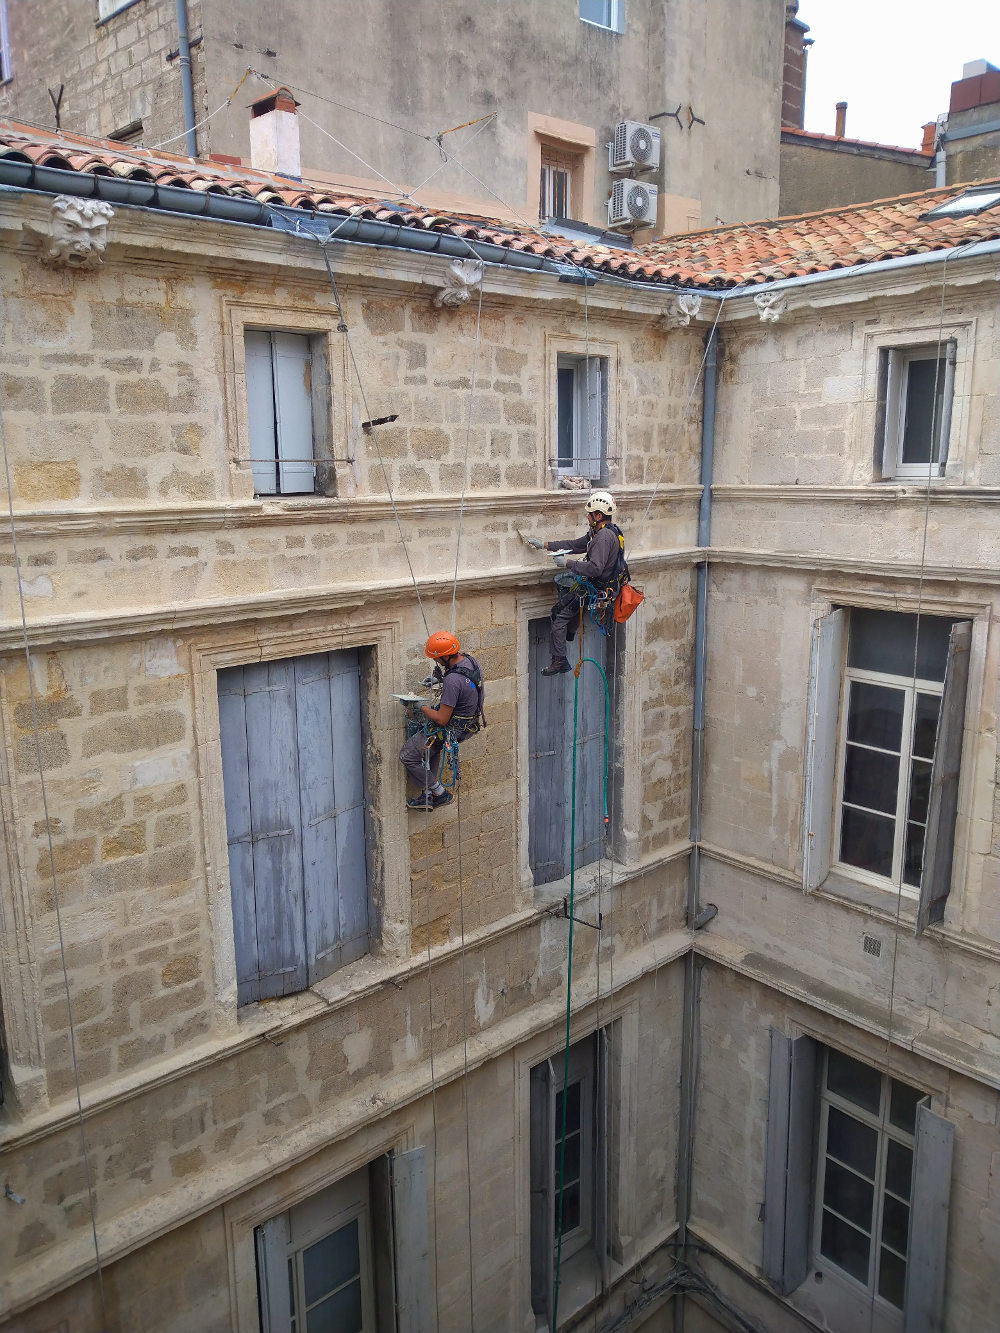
point(903, 1103)
point(340, 1313)
point(331, 1261)
point(925, 720)
point(924, 398)
point(291, 1291)
point(851, 1142)
point(596, 11)
point(565, 395)
point(882, 641)
point(570, 1209)
point(866, 841)
point(898, 1168)
point(871, 779)
point(891, 1278)
point(913, 854)
point(875, 715)
point(847, 1247)
point(849, 1195)
point(854, 1081)
point(895, 1223)
point(920, 790)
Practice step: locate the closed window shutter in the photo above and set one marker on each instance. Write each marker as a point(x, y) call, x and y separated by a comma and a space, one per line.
point(923, 1302)
point(260, 411)
point(260, 778)
point(601, 1157)
point(272, 1275)
point(591, 726)
point(332, 804)
point(272, 751)
point(823, 710)
point(548, 813)
point(542, 1116)
point(412, 1258)
point(592, 434)
point(788, 1162)
point(293, 412)
point(942, 810)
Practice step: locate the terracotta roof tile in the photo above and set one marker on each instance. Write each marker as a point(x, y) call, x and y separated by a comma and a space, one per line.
point(721, 257)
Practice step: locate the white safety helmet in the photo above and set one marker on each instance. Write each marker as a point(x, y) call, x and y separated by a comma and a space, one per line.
point(601, 502)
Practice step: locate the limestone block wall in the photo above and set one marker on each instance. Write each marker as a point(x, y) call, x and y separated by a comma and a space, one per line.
point(729, 1145)
point(797, 399)
point(114, 72)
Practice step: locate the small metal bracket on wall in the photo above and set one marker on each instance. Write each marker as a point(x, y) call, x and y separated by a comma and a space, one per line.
point(579, 919)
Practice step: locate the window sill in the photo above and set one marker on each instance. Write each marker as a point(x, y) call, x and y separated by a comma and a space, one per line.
point(887, 903)
point(602, 27)
point(126, 4)
point(588, 882)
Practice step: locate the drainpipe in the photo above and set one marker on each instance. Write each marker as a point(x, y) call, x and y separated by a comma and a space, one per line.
point(696, 916)
point(187, 83)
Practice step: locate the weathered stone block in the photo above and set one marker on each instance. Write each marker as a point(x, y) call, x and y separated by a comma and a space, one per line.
point(127, 735)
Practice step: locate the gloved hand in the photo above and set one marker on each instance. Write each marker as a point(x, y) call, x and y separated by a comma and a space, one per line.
point(535, 543)
point(560, 559)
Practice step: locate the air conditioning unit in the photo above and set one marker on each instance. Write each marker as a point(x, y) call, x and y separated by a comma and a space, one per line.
point(632, 204)
point(636, 147)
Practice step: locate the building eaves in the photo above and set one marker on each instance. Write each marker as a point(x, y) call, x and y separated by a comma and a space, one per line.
point(812, 138)
point(720, 258)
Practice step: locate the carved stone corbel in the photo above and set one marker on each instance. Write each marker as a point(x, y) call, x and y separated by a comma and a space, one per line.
point(462, 275)
point(76, 232)
point(682, 310)
point(770, 306)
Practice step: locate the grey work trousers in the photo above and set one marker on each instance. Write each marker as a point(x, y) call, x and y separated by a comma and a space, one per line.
point(421, 757)
point(564, 618)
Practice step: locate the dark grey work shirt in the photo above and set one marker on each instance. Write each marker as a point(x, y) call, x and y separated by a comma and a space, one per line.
point(461, 695)
point(601, 556)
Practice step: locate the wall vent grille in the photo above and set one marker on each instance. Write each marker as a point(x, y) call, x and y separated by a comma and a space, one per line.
point(872, 946)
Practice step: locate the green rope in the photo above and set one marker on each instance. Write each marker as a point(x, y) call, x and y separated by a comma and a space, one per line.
point(569, 964)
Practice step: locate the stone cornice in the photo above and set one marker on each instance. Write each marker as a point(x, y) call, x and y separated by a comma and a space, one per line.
point(823, 563)
point(54, 523)
point(887, 492)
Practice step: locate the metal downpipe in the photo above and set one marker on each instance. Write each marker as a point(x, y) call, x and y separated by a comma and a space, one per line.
point(692, 970)
point(187, 82)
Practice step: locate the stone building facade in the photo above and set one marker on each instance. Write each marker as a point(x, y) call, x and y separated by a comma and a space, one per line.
point(378, 84)
point(151, 563)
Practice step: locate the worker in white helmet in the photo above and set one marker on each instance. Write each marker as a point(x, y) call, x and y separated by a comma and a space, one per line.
point(603, 566)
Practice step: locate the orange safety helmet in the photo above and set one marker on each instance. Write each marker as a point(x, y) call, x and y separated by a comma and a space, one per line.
point(442, 643)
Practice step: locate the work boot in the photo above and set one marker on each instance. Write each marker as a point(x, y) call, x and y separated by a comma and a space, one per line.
point(556, 667)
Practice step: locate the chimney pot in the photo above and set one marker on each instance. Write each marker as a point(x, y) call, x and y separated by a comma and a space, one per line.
point(274, 134)
point(841, 120)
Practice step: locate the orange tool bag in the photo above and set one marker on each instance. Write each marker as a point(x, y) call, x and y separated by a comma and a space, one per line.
point(627, 601)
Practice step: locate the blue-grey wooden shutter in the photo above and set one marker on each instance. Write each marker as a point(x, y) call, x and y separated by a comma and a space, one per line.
point(332, 805)
point(260, 779)
point(823, 712)
point(942, 810)
point(412, 1258)
point(293, 411)
point(271, 1240)
point(923, 1301)
point(548, 812)
point(788, 1160)
point(260, 411)
point(542, 1122)
point(590, 731)
point(601, 1221)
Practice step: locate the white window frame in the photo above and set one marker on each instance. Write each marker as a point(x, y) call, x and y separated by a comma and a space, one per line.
point(548, 193)
point(590, 408)
point(886, 1132)
point(107, 9)
point(615, 11)
point(909, 688)
point(285, 1238)
point(900, 361)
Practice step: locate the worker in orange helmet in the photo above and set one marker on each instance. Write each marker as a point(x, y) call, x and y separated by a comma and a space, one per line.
point(459, 714)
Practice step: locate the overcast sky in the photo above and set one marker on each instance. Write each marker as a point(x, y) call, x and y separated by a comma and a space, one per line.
point(892, 61)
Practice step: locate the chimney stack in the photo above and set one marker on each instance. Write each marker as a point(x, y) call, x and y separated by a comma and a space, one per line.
point(793, 91)
point(930, 134)
point(841, 129)
point(274, 134)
